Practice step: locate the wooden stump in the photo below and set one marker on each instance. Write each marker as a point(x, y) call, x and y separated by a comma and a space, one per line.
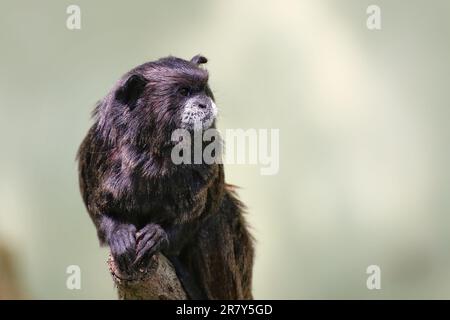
point(156, 282)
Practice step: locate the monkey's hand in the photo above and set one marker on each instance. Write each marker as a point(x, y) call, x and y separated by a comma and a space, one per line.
point(150, 239)
point(122, 242)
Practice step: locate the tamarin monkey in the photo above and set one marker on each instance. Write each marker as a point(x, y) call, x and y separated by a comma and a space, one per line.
point(142, 203)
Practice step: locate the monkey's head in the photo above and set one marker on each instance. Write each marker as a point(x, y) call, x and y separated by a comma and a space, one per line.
point(152, 100)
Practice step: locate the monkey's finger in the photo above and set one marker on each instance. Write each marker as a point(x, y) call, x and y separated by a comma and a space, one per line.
point(131, 240)
point(144, 231)
point(146, 252)
point(129, 245)
point(115, 247)
point(122, 246)
point(142, 243)
point(151, 249)
point(139, 257)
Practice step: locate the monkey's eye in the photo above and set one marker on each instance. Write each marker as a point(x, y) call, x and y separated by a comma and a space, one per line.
point(185, 91)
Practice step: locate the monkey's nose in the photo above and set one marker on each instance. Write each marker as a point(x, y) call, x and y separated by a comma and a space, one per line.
point(202, 105)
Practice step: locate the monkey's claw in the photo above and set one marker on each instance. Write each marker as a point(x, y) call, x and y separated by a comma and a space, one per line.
point(150, 239)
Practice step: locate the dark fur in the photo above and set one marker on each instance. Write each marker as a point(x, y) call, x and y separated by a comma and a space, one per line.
point(140, 202)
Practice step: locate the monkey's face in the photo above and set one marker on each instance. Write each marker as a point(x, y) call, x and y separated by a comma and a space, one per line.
point(156, 98)
point(197, 109)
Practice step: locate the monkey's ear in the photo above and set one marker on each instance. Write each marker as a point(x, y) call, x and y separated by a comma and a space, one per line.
point(199, 59)
point(129, 92)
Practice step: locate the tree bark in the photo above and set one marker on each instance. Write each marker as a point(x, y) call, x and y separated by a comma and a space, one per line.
point(156, 282)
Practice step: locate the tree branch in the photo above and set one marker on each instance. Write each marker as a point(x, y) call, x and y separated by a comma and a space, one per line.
point(157, 282)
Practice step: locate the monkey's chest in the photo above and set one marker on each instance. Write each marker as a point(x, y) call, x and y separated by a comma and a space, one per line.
point(175, 203)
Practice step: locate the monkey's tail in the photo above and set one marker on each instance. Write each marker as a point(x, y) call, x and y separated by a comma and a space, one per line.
point(189, 284)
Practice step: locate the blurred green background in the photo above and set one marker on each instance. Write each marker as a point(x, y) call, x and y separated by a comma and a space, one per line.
point(363, 118)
